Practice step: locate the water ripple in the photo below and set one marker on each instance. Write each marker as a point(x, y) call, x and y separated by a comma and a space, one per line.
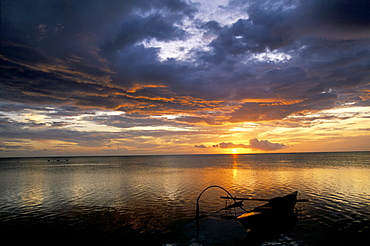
point(139, 200)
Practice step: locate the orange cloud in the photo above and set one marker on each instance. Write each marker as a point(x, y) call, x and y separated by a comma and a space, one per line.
point(136, 87)
point(271, 101)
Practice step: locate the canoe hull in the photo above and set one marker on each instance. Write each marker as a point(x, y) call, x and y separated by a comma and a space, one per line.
point(278, 212)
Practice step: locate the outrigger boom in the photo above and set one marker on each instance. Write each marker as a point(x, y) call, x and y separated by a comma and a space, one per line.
point(256, 199)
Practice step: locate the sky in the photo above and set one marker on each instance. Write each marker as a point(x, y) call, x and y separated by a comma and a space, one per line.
point(133, 77)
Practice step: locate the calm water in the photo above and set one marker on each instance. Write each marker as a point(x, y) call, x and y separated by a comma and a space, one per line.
point(150, 200)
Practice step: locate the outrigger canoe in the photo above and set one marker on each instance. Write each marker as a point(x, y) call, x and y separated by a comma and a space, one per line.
point(279, 211)
point(277, 214)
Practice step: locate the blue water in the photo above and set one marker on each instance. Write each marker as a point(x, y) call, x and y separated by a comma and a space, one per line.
point(150, 200)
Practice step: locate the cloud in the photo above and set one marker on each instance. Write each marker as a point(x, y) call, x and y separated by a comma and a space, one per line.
point(288, 21)
point(95, 62)
point(231, 145)
point(338, 19)
point(136, 29)
point(254, 144)
point(201, 146)
point(265, 145)
point(261, 61)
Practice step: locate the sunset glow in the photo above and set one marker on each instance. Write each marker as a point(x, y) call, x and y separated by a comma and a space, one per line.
point(184, 77)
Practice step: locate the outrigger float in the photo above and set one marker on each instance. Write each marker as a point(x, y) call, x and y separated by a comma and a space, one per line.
point(275, 213)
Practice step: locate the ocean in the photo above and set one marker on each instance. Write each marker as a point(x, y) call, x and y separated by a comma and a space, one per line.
point(151, 200)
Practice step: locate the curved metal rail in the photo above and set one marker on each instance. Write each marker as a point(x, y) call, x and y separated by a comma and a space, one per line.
point(197, 209)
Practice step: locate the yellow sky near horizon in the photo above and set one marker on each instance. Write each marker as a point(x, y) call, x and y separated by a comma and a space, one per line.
point(340, 129)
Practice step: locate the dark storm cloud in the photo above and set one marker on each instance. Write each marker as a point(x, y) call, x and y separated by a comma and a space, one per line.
point(137, 28)
point(69, 25)
point(90, 54)
point(289, 20)
point(59, 42)
point(341, 19)
point(329, 56)
point(242, 37)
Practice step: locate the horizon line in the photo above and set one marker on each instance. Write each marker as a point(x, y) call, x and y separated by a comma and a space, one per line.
point(143, 155)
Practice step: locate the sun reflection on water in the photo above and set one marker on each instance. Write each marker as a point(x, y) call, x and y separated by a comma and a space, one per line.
point(148, 194)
